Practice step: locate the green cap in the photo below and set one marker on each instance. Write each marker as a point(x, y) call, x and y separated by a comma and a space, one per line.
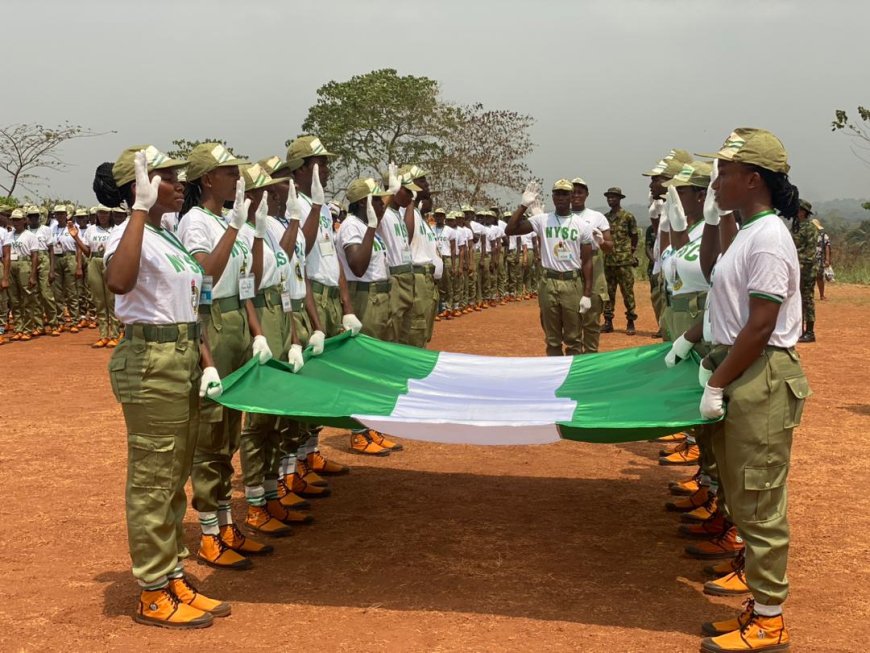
point(670, 165)
point(579, 181)
point(696, 173)
point(81, 213)
point(563, 184)
point(359, 189)
point(17, 214)
point(302, 148)
point(256, 177)
point(60, 208)
point(124, 171)
point(439, 210)
point(806, 206)
point(30, 209)
point(413, 171)
point(465, 208)
point(452, 215)
point(756, 147)
point(207, 157)
point(614, 190)
point(273, 164)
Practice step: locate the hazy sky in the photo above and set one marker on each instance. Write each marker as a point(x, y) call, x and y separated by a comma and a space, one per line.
point(612, 84)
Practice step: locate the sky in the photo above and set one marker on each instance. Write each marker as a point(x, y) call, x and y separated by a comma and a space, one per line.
point(612, 85)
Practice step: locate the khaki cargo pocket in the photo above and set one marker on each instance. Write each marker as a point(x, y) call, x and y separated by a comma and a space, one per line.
point(117, 365)
point(150, 460)
point(798, 391)
point(764, 493)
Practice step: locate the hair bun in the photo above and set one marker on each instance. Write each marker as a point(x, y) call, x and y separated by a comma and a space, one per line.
point(104, 186)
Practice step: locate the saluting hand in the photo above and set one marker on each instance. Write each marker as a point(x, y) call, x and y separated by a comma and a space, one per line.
point(292, 211)
point(239, 214)
point(146, 190)
point(393, 181)
point(531, 193)
point(316, 187)
point(261, 217)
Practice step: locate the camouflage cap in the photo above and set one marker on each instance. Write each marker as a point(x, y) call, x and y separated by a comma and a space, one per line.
point(579, 181)
point(696, 173)
point(670, 165)
point(452, 215)
point(31, 209)
point(256, 177)
point(81, 213)
point(17, 214)
point(563, 184)
point(756, 147)
point(413, 171)
point(465, 208)
point(209, 156)
point(359, 189)
point(60, 208)
point(93, 210)
point(5, 208)
point(123, 171)
point(273, 164)
point(806, 206)
point(506, 214)
point(302, 148)
point(439, 210)
point(118, 209)
point(614, 190)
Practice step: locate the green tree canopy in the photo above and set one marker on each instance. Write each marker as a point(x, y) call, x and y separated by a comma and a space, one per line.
point(181, 147)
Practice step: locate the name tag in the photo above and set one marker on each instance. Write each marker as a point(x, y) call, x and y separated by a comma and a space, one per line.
point(58, 248)
point(563, 253)
point(406, 256)
point(13, 255)
point(326, 247)
point(205, 291)
point(247, 288)
point(286, 304)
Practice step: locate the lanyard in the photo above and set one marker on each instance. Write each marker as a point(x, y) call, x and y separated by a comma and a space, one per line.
point(757, 216)
point(172, 240)
point(217, 219)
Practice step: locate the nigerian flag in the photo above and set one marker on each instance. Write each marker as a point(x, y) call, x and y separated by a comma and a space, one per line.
point(456, 398)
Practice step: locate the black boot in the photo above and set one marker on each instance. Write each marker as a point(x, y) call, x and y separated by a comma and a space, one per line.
point(809, 335)
point(629, 329)
point(608, 325)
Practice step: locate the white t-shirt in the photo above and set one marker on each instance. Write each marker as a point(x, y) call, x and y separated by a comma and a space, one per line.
point(527, 242)
point(169, 221)
point(423, 243)
point(443, 236)
point(394, 234)
point(352, 232)
point(682, 269)
point(561, 239)
point(762, 261)
point(169, 282)
point(461, 237)
point(596, 220)
point(492, 235)
point(62, 241)
point(44, 237)
point(5, 238)
point(271, 275)
point(95, 237)
point(478, 230)
point(200, 231)
point(294, 273)
point(322, 261)
point(23, 245)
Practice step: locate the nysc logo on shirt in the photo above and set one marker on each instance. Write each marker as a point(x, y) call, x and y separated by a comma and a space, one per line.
point(280, 257)
point(181, 261)
point(239, 248)
point(401, 229)
point(561, 232)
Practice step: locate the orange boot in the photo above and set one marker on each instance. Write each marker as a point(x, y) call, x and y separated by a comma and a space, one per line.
point(279, 512)
point(702, 513)
point(290, 500)
point(727, 545)
point(706, 530)
point(162, 608)
point(733, 584)
point(299, 485)
point(232, 537)
point(714, 628)
point(214, 552)
point(361, 443)
point(380, 440)
point(686, 486)
point(688, 456)
point(324, 467)
point(259, 519)
point(99, 344)
point(187, 593)
point(758, 634)
point(690, 503)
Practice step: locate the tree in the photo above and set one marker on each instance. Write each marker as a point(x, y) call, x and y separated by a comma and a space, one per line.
point(183, 147)
point(376, 118)
point(26, 148)
point(858, 132)
point(484, 151)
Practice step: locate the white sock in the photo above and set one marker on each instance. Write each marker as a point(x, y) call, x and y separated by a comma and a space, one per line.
point(767, 610)
point(208, 522)
point(178, 572)
point(225, 515)
point(270, 485)
point(256, 495)
point(158, 584)
point(291, 464)
point(284, 466)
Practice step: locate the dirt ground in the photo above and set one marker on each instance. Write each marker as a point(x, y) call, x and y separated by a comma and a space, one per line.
point(563, 547)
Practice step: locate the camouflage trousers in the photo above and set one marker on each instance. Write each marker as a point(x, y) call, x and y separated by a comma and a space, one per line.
point(622, 276)
point(808, 301)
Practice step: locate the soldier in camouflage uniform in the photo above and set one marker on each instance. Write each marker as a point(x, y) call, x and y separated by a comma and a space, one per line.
point(806, 239)
point(619, 263)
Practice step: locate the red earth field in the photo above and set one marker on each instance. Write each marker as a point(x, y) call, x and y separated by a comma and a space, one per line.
point(564, 547)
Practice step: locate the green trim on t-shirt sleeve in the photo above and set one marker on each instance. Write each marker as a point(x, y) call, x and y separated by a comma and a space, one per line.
point(771, 298)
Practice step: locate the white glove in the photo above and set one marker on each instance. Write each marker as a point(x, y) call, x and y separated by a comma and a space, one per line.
point(393, 181)
point(316, 187)
point(585, 304)
point(261, 350)
point(664, 221)
point(536, 207)
point(597, 235)
point(316, 343)
point(676, 213)
point(712, 402)
point(351, 323)
point(704, 374)
point(294, 357)
point(680, 349)
point(261, 217)
point(711, 209)
point(210, 384)
point(146, 190)
point(292, 212)
point(531, 193)
point(655, 208)
point(371, 216)
point(239, 214)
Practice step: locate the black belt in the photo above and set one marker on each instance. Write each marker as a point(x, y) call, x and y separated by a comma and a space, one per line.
point(224, 304)
point(319, 288)
point(401, 269)
point(564, 276)
point(424, 269)
point(162, 332)
point(268, 297)
point(297, 305)
point(369, 286)
point(65, 254)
